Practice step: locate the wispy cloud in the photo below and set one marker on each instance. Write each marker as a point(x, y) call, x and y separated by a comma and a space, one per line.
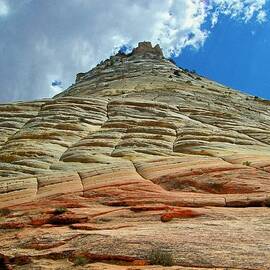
point(43, 41)
point(243, 10)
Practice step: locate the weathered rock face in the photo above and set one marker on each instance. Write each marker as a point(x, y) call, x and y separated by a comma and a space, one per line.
point(138, 155)
point(146, 48)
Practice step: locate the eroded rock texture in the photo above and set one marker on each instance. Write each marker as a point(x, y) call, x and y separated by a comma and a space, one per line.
point(137, 157)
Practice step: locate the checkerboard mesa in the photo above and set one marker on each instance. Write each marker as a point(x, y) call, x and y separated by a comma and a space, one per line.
point(137, 155)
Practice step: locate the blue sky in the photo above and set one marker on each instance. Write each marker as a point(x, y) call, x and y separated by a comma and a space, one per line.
point(44, 44)
point(235, 54)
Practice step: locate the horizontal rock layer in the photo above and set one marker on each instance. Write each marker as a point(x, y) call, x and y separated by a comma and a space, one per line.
point(137, 156)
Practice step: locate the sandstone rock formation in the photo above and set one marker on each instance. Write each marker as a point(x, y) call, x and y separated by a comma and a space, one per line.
point(137, 156)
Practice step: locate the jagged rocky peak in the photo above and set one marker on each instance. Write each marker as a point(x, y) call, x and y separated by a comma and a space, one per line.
point(143, 52)
point(145, 48)
point(144, 64)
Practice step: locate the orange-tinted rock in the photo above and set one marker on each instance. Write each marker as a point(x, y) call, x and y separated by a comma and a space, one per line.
point(40, 220)
point(184, 213)
point(140, 262)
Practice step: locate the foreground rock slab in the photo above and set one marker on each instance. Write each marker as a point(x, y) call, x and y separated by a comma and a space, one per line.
point(210, 237)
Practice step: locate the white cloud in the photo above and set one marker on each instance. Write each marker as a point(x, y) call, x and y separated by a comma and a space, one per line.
point(42, 41)
point(4, 8)
point(261, 16)
point(243, 10)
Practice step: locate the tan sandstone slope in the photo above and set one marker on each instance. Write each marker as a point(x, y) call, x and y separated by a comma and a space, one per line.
point(136, 162)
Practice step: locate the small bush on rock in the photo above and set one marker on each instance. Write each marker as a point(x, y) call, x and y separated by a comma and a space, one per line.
point(247, 163)
point(81, 260)
point(60, 210)
point(161, 257)
point(5, 212)
point(112, 61)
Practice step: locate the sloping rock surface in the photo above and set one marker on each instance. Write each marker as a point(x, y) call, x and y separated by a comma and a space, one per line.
point(138, 157)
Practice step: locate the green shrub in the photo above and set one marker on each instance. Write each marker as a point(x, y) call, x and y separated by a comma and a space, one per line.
point(246, 163)
point(60, 210)
point(112, 61)
point(5, 212)
point(81, 260)
point(161, 257)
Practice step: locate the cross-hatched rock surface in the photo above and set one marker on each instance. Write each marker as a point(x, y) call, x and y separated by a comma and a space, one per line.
point(137, 156)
